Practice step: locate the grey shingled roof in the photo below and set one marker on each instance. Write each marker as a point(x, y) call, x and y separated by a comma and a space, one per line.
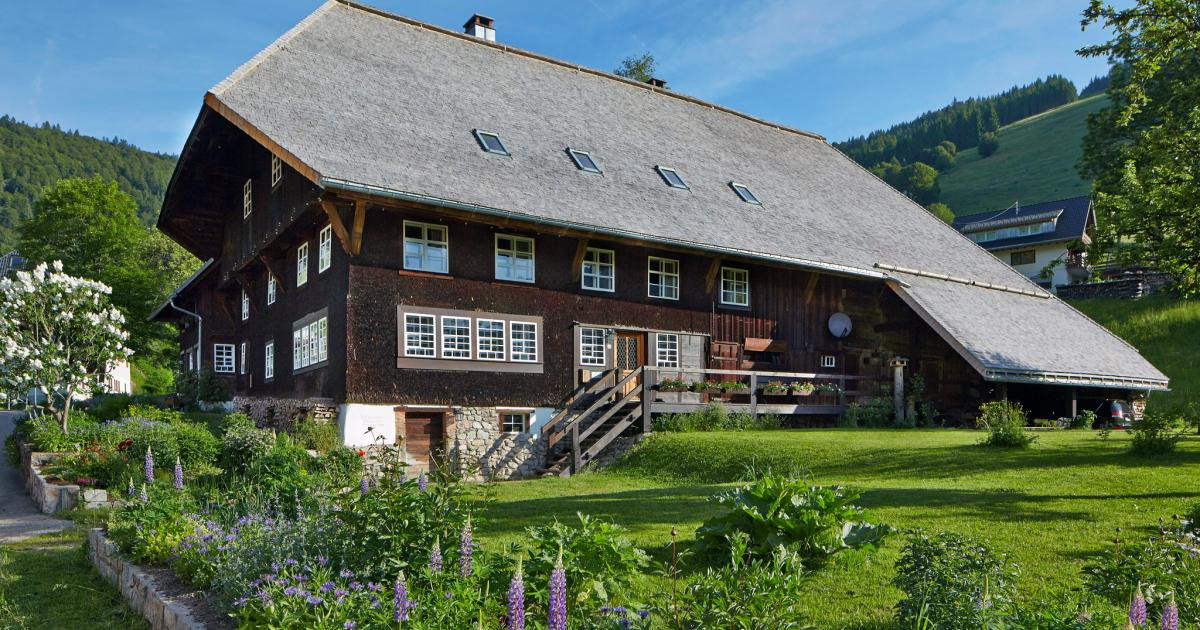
point(372, 100)
point(1073, 215)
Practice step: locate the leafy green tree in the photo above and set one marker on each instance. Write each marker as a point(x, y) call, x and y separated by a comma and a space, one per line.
point(942, 211)
point(988, 144)
point(920, 182)
point(1143, 151)
point(638, 68)
point(943, 160)
point(93, 228)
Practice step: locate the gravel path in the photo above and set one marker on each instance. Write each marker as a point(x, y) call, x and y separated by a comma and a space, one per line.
point(19, 518)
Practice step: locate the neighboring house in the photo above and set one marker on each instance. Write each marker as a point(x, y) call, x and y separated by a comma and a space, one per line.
point(1037, 240)
point(453, 244)
point(117, 380)
point(11, 261)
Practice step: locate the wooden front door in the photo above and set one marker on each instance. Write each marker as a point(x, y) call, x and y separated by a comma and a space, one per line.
point(630, 355)
point(423, 437)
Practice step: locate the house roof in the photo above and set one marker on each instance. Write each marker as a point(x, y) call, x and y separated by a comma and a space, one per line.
point(357, 99)
point(164, 310)
point(1072, 218)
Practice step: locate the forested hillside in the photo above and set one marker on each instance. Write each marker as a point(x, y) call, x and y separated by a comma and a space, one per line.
point(33, 158)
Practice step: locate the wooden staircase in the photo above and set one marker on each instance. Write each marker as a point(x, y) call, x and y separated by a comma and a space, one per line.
point(594, 416)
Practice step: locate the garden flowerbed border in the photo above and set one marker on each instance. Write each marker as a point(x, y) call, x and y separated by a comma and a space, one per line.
point(52, 498)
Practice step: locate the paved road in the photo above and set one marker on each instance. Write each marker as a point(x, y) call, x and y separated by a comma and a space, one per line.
point(19, 518)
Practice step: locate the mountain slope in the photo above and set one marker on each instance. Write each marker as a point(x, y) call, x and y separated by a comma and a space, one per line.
point(1035, 162)
point(32, 158)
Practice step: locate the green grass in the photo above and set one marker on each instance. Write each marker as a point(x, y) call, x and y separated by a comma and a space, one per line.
point(1052, 507)
point(1035, 162)
point(1165, 330)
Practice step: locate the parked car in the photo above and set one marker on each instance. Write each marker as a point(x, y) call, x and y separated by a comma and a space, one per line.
point(1114, 414)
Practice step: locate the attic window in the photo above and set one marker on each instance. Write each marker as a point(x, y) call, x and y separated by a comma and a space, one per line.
point(672, 177)
point(491, 142)
point(584, 161)
point(744, 193)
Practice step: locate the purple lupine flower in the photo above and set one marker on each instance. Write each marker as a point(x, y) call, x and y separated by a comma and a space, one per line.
point(130, 490)
point(178, 475)
point(322, 560)
point(401, 601)
point(143, 496)
point(1137, 609)
point(1170, 615)
point(435, 557)
point(558, 596)
point(363, 486)
point(465, 548)
point(349, 625)
point(516, 601)
point(148, 467)
point(422, 482)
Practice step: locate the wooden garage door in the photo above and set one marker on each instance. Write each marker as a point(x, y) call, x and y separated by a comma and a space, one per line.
point(422, 437)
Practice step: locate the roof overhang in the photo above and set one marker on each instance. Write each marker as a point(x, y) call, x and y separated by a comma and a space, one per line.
point(166, 305)
point(979, 226)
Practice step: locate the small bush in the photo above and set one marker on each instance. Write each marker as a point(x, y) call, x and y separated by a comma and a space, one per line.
point(149, 531)
point(601, 563)
point(875, 413)
point(242, 443)
point(1156, 434)
point(988, 144)
point(192, 386)
point(1085, 420)
point(45, 434)
point(951, 582)
point(109, 406)
point(1005, 423)
point(318, 436)
point(1162, 564)
point(714, 418)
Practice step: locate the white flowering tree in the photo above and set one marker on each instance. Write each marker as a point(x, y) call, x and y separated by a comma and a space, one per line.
point(58, 335)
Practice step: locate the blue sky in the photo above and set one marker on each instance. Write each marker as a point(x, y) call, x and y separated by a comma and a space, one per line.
point(138, 69)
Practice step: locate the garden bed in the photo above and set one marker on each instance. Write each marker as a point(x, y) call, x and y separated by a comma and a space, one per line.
point(52, 495)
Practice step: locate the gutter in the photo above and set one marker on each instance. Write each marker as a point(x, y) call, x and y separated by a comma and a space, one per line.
point(199, 331)
point(834, 268)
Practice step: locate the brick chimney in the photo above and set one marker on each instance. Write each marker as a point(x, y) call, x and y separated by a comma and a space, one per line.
point(480, 26)
point(658, 83)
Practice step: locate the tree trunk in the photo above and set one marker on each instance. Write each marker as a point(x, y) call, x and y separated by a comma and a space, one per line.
point(66, 412)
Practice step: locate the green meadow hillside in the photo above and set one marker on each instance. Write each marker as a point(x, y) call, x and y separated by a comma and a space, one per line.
point(1035, 162)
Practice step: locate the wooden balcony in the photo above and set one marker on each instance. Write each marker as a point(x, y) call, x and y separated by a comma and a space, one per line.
point(828, 394)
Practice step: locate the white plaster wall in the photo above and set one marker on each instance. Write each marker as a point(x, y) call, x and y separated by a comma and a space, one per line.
point(355, 420)
point(1043, 256)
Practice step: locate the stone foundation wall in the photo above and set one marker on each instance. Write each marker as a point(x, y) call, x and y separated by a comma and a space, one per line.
point(478, 448)
point(52, 498)
point(283, 413)
point(613, 452)
point(1127, 288)
point(138, 587)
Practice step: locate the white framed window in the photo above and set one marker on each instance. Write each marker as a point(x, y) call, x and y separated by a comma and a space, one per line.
point(584, 161)
point(276, 170)
point(302, 264)
point(245, 305)
point(735, 286)
point(322, 331)
point(297, 349)
point(489, 334)
point(426, 247)
point(223, 359)
point(599, 269)
point(662, 278)
point(269, 360)
point(514, 258)
point(828, 361)
point(325, 248)
point(514, 421)
point(247, 198)
point(591, 347)
point(242, 362)
point(271, 288)
point(672, 177)
point(456, 337)
point(418, 335)
point(523, 341)
point(666, 350)
point(310, 344)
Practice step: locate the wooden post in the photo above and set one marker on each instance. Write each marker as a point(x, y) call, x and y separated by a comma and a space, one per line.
point(649, 380)
point(898, 364)
point(576, 464)
point(754, 395)
point(842, 394)
point(1075, 402)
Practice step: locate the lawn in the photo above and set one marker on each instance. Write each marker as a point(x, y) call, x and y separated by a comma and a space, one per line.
point(1052, 507)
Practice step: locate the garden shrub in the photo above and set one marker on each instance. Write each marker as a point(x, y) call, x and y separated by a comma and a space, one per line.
point(785, 511)
point(203, 385)
point(875, 413)
point(1005, 423)
point(715, 417)
point(952, 582)
point(45, 434)
point(1156, 434)
point(600, 562)
point(149, 531)
point(1085, 420)
point(196, 444)
point(242, 443)
point(318, 436)
point(109, 406)
point(1166, 563)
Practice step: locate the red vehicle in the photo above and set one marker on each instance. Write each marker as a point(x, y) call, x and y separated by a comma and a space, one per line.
point(1114, 414)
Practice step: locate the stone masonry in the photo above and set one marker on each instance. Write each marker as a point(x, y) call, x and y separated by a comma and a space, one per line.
point(480, 450)
point(283, 413)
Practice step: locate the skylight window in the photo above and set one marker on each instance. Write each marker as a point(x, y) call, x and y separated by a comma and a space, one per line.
point(672, 177)
point(491, 142)
point(744, 193)
point(584, 161)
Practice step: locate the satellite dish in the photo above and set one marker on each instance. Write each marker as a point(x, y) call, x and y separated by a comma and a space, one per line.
point(840, 325)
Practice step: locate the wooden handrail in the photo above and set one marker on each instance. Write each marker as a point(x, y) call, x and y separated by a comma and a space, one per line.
point(599, 402)
point(574, 398)
point(804, 375)
point(608, 414)
point(612, 434)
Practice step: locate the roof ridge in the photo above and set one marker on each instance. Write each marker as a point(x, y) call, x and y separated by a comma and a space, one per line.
point(279, 42)
point(354, 4)
point(1036, 203)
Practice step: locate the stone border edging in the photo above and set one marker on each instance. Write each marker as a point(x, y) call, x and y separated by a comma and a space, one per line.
point(137, 587)
point(52, 498)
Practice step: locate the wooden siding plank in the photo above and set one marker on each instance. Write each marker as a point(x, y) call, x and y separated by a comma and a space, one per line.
point(360, 217)
point(335, 219)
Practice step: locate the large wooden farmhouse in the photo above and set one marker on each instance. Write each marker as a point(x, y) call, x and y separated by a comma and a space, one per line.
point(482, 252)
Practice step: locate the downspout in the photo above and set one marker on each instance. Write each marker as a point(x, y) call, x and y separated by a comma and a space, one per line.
point(199, 332)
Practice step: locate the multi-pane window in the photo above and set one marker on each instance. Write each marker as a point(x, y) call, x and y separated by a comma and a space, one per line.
point(426, 247)
point(456, 337)
point(223, 358)
point(310, 344)
point(325, 248)
point(514, 421)
point(1027, 257)
point(663, 278)
point(302, 264)
point(514, 258)
point(247, 198)
point(524, 342)
point(271, 288)
point(599, 269)
point(735, 286)
point(418, 335)
point(245, 305)
point(666, 350)
point(591, 347)
point(828, 361)
point(276, 170)
point(490, 338)
point(242, 363)
point(269, 360)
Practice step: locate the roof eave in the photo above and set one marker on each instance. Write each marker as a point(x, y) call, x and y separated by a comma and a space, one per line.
point(183, 286)
point(1007, 375)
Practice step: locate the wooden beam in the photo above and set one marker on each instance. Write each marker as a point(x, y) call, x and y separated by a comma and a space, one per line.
point(279, 284)
point(360, 217)
point(710, 279)
point(577, 262)
point(335, 219)
point(811, 288)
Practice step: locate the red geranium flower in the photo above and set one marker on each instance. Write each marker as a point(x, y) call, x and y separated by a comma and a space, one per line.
point(362, 453)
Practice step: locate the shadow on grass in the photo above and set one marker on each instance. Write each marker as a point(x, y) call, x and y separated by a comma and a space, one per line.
point(633, 509)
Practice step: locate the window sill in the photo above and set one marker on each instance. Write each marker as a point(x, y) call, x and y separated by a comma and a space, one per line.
point(310, 368)
point(424, 274)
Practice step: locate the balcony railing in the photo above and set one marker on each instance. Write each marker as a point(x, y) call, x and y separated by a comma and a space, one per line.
point(682, 390)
